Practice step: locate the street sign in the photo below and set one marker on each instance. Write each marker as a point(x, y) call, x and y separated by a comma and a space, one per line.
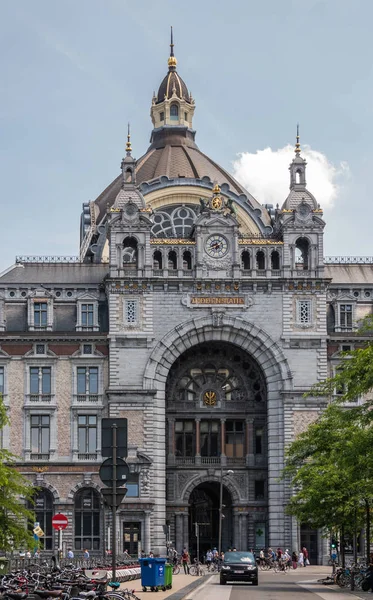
point(59, 521)
point(107, 437)
point(107, 494)
point(106, 472)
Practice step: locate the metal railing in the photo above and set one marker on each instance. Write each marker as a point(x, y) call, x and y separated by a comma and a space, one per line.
point(348, 260)
point(47, 259)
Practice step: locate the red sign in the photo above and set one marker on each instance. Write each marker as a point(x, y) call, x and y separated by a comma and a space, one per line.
point(59, 521)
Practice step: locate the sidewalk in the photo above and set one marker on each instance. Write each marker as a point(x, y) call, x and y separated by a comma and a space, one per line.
point(181, 586)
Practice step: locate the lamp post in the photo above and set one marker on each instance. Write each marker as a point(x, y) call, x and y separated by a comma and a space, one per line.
point(221, 516)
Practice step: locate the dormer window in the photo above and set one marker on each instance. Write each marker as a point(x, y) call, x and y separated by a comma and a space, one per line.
point(40, 315)
point(174, 112)
point(87, 313)
point(40, 312)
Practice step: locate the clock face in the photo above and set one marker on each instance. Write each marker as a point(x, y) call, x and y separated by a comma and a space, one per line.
point(216, 246)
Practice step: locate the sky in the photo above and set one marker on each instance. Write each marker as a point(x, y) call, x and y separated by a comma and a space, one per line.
point(73, 73)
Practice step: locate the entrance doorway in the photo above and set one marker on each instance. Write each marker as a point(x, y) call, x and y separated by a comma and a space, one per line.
point(308, 539)
point(204, 510)
point(131, 537)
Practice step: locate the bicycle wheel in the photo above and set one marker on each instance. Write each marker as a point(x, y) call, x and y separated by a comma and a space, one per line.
point(193, 570)
point(176, 570)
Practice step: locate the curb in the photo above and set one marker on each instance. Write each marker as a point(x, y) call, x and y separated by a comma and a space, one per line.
point(183, 592)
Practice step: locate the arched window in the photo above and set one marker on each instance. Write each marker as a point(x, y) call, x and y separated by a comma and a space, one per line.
point(157, 260)
point(245, 260)
point(260, 260)
point(129, 253)
point(87, 520)
point(128, 175)
point(330, 318)
point(187, 260)
point(174, 112)
point(302, 254)
point(172, 260)
point(298, 176)
point(43, 510)
point(275, 260)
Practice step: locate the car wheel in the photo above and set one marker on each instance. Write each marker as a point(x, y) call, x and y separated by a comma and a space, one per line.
point(255, 582)
point(222, 581)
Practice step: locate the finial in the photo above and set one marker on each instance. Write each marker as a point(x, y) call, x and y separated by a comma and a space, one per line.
point(172, 62)
point(216, 189)
point(297, 145)
point(128, 145)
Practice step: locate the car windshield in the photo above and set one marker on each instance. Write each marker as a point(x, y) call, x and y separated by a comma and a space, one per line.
point(236, 557)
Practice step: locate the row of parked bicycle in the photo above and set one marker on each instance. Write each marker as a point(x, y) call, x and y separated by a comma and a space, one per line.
point(67, 583)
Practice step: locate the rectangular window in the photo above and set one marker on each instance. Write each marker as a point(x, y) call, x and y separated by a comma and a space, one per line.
point(345, 316)
point(40, 382)
point(259, 440)
point(132, 485)
point(210, 437)
point(40, 435)
point(40, 314)
point(234, 439)
point(184, 438)
point(259, 490)
point(1, 380)
point(304, 312)
point(131, 310)
point(87, 381)
point(87, 315)
point(87, 434)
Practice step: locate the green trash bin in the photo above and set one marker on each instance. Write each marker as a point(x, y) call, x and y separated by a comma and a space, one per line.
point(4, 565)
point(168, 576)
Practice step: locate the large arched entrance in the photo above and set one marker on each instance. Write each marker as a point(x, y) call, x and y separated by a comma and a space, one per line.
point(216, 407)
point(204, 504)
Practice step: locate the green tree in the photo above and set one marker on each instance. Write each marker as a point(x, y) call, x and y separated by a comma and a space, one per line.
point(15, 490)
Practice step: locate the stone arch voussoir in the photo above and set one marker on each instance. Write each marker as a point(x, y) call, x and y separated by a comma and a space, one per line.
point(235, 330)
point(80, 486)
point(191, 485)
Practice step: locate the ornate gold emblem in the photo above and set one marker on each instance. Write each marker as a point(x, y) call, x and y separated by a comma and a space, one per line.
point(209, 398)
point(216, 202)
point(39, 469)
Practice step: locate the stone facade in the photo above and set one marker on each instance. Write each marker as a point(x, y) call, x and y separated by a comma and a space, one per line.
point(200, 316)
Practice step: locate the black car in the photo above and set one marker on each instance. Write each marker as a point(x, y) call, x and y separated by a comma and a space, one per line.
point(239, 566)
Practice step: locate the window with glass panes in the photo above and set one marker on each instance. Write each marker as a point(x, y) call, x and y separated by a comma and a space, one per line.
point(345, 316)
point(42, 507)
point(40, 314)
point(40, 382)
point(234, 439)
point(87, 315)
point(87, 381)
point(259, 440)
point(210, 438)
point(87, 520)
point(184, 438)
point(87, 434)
point(40, 434)
point(132, 485)
point(259, 489)
point(131, 537)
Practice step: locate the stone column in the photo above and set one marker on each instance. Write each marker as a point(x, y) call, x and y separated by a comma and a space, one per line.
point(250, 457)
point(243, 518)
point(236, 535)
point(171, 441)
point(186, 531)
point(147, 542)
point(222, 439)
point(179, 532)
point(198, 443)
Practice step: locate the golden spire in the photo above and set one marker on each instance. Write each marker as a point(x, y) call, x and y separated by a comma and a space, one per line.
point(297, 145)
point(172, 62)
point(128, 145)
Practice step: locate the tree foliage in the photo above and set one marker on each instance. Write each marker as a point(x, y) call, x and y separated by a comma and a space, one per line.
point(15, 490)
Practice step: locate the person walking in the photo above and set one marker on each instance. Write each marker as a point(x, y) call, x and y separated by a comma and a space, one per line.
point(86, 554)
point(185, 561)
point(70, 553)
point(209, 558)
point(305, 556)
point(301, 559)
point(294, 559)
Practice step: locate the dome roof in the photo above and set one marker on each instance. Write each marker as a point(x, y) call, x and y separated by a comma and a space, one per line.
point(171, 82)
point(296, 197)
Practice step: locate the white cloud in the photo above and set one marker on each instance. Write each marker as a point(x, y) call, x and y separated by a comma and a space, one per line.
point(266, 176)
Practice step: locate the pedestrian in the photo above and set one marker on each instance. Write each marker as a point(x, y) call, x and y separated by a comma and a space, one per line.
point(37, 553)
point(185, 561)
point(301, 559)
point(86, 554)
point(28, 554)
point(294, 559)
point(151, 555)
point(305, 556)
point(70, 553)
point(209, 558)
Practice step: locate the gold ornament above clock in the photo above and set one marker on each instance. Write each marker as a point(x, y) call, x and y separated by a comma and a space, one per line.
point(209, 398)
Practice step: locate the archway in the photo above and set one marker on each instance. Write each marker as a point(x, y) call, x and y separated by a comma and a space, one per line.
point(204, 510)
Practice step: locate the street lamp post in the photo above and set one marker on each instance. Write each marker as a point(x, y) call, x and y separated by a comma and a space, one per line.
point(221, 516)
